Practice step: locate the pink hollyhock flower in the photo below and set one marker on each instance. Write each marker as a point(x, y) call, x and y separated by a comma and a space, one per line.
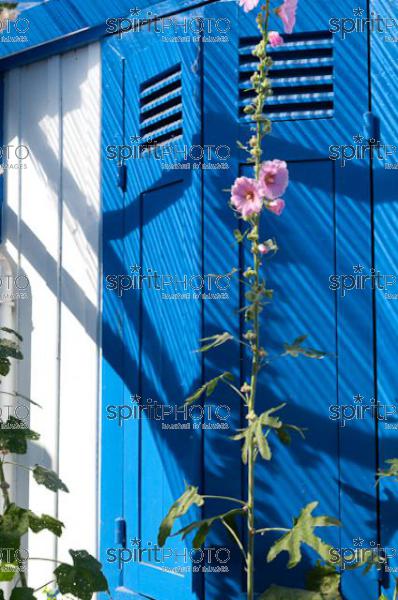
point(276, 206)
point(273, 179)
point(248, 4)
point(245, 196)
point(267, 246)
point(287, 12)
point(275, 39)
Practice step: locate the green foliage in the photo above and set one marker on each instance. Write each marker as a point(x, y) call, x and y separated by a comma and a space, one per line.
point(203, 527)
point(296, 349)
point(49, 479)
point(14, 436)
point(9, 349)
point(181, 506)
point(392, 470)
point(254, 434)
point(214, 341)
point(324, 579)
point(83, 578)
point(275, 592)
point(302, 532)
point(22, 593)
point(209, 387)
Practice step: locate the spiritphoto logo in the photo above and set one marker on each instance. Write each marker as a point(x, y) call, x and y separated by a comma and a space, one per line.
point(358, 410)
point(172, 416)
point(13, 560)
point(171, 286)
point(363, 149)
point(368, 555)
point(361, 23)
point(205, 560)
point(375, 280)
point(14, 416)
point(171, 155)
point(14, 287)
point(172, 29)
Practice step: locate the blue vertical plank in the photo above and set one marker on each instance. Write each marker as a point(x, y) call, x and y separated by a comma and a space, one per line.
point(222, 456)
point(112, 312)
point(384, 55)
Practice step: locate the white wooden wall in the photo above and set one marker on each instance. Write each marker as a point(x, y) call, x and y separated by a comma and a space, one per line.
point(52, 233)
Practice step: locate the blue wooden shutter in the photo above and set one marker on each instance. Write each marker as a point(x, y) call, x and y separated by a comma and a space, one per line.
point(161, 231)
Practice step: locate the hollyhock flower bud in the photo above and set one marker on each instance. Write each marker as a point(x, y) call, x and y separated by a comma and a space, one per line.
point(273, 179)
point(245, 196)
point(287, 12)
point(262, 248)
point(276, 206)
point(275, 39)
point(248, 4)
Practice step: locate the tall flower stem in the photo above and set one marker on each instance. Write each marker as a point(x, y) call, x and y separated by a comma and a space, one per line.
point(254, 237)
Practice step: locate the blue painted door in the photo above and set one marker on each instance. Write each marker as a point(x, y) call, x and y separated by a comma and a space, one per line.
point(176, 222)
point(326, 229)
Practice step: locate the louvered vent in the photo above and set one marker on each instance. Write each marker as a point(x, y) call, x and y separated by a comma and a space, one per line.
point(302, 76)
point(161, 108)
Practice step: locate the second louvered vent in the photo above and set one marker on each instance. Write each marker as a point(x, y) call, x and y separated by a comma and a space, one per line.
point(302, 76)
point(161, 108)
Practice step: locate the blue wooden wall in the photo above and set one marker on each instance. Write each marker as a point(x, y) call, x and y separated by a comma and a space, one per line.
point(177, 221)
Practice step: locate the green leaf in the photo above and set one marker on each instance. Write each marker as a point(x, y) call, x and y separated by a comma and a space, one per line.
point(238, 236)
point(82, 579)
point(296, 348)
point(16, 521)
point(203, 527)
point(22, 593)
point(254, 433)
point(9, 330)
point(5, 366)
point(14, 435)
point(49, 479)
point(178, 509)
point(326, 580)
point(8, 571)
point(215, 340)
point(275, 592)
point(302, 532)
point(37, 524)
point(392, 471)
point(10, 349)
point(209, 387)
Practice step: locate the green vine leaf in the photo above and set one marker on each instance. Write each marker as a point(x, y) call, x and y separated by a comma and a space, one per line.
point(37, 523)
point(296, 348)
point(14, 435)
point(16, 521)
point(9, 330)
point(49, 479)
point(209, 387)
point(326, 580)
point(275, 592)
point(203, 527)
point(181, 506)
point(82, 579)
point(215, 340)
point(22, 593)
point(8, 571)
point(302, 532)
point(392, 470)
